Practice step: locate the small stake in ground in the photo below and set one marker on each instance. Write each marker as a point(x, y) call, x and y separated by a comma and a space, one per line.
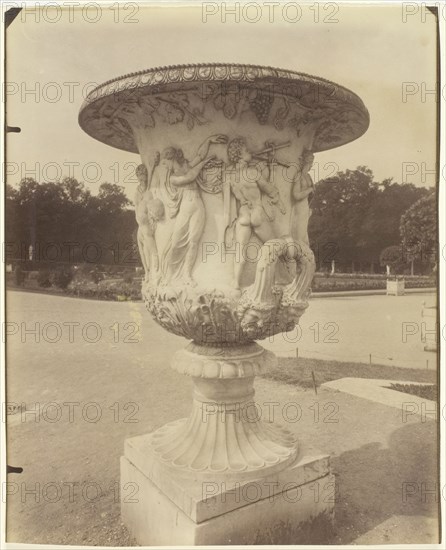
point(314, 382)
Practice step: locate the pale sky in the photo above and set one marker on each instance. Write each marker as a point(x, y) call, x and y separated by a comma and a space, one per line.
point(370, 50)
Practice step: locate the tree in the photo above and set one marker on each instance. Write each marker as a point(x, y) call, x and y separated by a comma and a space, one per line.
point(418, 229)
point(13, 230)
point(111, 198)
point(66, 223)
point(380, 226)
point(75, 191)
point(391, 257)
point(354, 217)
point(339, 206)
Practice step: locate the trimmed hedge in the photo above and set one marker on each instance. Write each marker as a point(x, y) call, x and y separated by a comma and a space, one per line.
point(85, 283)
point(345, 282)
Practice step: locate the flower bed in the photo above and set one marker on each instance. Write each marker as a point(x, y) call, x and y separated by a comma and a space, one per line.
point(84, 283)
point(115, 289)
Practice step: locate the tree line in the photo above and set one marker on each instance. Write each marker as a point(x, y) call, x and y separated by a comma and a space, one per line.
point(354, 218)
point(66, 223)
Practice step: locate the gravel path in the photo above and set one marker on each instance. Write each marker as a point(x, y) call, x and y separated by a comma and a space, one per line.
point(90, 396)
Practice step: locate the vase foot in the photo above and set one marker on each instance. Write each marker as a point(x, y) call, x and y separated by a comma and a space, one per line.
point(225, 436)
point(223, 447)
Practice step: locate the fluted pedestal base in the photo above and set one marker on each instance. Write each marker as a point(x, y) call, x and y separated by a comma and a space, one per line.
point(224, 438)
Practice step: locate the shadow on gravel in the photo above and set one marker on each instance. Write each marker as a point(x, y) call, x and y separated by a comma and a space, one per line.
point(375, 483)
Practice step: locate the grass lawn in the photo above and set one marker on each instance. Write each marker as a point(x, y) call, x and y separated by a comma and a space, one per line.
point(425, 392)
point(298, 372)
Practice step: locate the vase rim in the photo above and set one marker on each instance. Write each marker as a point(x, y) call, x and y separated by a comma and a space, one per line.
point(278, 72)
point(168, 78)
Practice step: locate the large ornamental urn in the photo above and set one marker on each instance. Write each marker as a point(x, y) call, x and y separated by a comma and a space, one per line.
point(222, 207)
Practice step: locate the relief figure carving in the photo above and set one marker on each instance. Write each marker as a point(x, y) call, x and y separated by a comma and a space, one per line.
point(301, 192)
point(176, 183)
point(148, 211)
point(260, 302)
point(248, 182)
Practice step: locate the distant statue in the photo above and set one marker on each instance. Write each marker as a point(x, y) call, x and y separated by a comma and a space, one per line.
point(148, 211)
point(302, 189)
point(181, 196)
point(257, 198)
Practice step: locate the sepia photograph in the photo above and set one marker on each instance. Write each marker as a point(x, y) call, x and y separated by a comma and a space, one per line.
point(223, 248)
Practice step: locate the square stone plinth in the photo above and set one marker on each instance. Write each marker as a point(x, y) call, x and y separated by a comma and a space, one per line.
point(165, 508)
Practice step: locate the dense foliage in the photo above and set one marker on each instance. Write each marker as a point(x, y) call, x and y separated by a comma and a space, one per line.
point(418, 229)
point(391, 256)
point(66, 223)
point(354, 218)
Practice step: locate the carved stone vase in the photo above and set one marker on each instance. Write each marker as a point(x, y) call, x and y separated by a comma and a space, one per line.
point(222, 207)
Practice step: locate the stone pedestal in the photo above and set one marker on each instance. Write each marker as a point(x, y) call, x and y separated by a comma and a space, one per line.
point(395, 287)
point(292, 506)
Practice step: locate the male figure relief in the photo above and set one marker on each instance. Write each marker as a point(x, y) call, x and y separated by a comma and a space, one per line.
point(257, 197)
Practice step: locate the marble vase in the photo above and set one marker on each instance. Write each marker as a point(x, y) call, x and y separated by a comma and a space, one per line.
point(222, 208)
